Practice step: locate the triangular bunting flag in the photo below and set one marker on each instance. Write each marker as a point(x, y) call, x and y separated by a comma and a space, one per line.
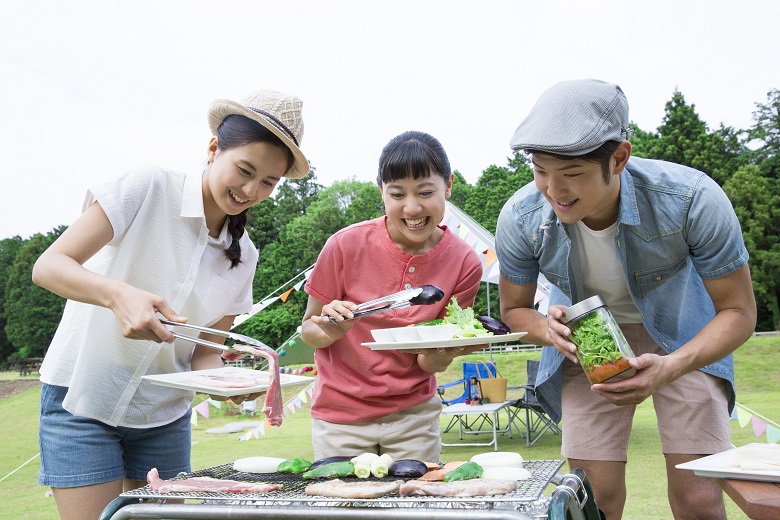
point(772, 434)
point(471, 240)
point(490, 258)
point(303, 397)
point(463, 231)
point(194, 418)
point(743, 416)
point(256, 433)
point(759, 426)
point(310, 390)
point(215, 404)
point(291, 407)
point(241, 318)
point(297, 402)
point(203, 409)
point(246, 436)
point(298, 285)
point(286, 295)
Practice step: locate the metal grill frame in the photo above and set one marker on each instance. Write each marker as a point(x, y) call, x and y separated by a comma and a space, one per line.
point(293, 492)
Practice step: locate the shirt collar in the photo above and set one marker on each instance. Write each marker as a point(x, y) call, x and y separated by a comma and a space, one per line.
point(192, 206)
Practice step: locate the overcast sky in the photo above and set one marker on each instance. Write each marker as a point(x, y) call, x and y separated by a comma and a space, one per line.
point(90, 89)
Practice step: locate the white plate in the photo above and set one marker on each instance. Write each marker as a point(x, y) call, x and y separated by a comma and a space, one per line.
point(455, 342)
point(183, 380)
point(711, 466)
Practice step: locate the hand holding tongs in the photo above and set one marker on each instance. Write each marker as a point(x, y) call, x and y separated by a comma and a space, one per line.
point(239, 338)
point(423, 295)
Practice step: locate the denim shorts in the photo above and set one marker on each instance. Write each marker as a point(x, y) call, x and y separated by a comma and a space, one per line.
point(78, 451)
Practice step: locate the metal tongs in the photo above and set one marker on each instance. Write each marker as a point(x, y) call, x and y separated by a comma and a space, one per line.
point(238, 338)
point(423, 295)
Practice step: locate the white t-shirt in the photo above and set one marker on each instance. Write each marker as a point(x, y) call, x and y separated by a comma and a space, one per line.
point(603, 273)
point(161, 245)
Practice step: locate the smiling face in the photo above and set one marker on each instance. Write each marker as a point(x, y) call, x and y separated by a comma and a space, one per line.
point(414, 209)
point(238, 178)
point(577, 190)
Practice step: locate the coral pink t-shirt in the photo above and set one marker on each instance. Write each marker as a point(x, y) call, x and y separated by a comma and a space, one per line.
point(361, 263)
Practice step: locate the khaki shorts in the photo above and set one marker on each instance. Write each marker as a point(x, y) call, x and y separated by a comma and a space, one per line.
point(409, 434)
point(692, 412)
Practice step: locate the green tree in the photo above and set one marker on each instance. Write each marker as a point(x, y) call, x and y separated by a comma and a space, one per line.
point(32, 313)
point(9, 247)
point(685, 139)
point(766, 130)
point(756, 200)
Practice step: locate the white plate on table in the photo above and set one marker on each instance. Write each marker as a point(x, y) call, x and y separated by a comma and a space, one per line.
point(446, 343)
point(183, 381)
point(714, 466)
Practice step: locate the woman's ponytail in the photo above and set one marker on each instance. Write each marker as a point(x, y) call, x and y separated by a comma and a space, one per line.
point(236, 224)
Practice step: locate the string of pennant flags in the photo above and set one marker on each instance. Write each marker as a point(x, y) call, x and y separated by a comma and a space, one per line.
point(292, 405)
point(760, 424)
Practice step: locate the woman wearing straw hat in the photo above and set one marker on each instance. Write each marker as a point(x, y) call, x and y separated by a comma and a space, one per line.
point(152, 241)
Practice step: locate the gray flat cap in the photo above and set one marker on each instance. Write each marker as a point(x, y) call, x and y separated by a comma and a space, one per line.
point(574, 118)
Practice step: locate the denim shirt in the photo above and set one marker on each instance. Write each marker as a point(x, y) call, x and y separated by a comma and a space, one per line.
point(675, 227)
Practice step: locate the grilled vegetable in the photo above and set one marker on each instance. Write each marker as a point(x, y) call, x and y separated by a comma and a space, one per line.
point(379, 466)
point(296, 466)
point(430, 294)
point(362, 464)
point(497, 327)
point(334, 469)
point(327, 460)
point(407, 468)
point(466, 471)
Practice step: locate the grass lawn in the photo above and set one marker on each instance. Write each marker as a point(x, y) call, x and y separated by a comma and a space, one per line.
point(756, 368)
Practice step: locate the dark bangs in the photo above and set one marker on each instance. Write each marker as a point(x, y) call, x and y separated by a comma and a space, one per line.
point(413, 155)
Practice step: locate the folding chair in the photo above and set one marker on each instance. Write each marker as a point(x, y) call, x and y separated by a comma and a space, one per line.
point(536, 420)
point(469, 370)
point(573, 499)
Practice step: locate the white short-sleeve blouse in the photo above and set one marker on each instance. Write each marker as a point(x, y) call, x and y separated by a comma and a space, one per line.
point(161, 245)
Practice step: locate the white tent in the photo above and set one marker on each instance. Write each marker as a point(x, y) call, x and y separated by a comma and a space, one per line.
point(484, 244)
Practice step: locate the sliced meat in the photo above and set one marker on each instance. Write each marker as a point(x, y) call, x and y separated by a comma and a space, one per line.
point(460, 488)
point(339, 489)
point(273, 406)
point(438, 474)
point(206, 484)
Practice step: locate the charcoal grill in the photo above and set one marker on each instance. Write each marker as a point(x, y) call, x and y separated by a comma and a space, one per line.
point(293, 503)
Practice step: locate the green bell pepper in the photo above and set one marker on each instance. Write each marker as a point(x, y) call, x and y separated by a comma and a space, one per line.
point(296, 466)
point(466, 471)
point(334, 469)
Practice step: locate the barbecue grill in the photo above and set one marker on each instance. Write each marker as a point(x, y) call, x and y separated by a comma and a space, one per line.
point(293, 503)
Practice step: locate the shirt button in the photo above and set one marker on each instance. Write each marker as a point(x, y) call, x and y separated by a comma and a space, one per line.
point(136, 380)
point(202, 241)
point(411, 269)
point(408, 286)
point(658, 278)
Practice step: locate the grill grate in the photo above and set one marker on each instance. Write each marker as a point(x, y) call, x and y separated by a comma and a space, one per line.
point(542, 472)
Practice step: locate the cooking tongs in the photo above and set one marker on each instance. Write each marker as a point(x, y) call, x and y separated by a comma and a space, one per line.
point(423, 295)
point(238, 338)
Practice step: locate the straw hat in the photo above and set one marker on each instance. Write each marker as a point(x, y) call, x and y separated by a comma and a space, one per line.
point(280, 113)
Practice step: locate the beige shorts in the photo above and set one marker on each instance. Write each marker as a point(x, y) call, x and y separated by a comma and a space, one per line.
point(692, 412)
point(409, 434)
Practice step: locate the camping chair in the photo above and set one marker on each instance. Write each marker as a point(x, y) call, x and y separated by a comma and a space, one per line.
point(536, 420)
point(469, 370)
point(573, 499)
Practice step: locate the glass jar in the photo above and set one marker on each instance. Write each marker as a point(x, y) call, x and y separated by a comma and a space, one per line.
point(602, 348)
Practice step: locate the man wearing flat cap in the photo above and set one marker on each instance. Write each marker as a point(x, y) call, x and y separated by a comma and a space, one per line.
point(660, 243)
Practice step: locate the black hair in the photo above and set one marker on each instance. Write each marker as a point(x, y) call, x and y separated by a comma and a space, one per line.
point(601, 155)
point(412, 154)
point(234, 131)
